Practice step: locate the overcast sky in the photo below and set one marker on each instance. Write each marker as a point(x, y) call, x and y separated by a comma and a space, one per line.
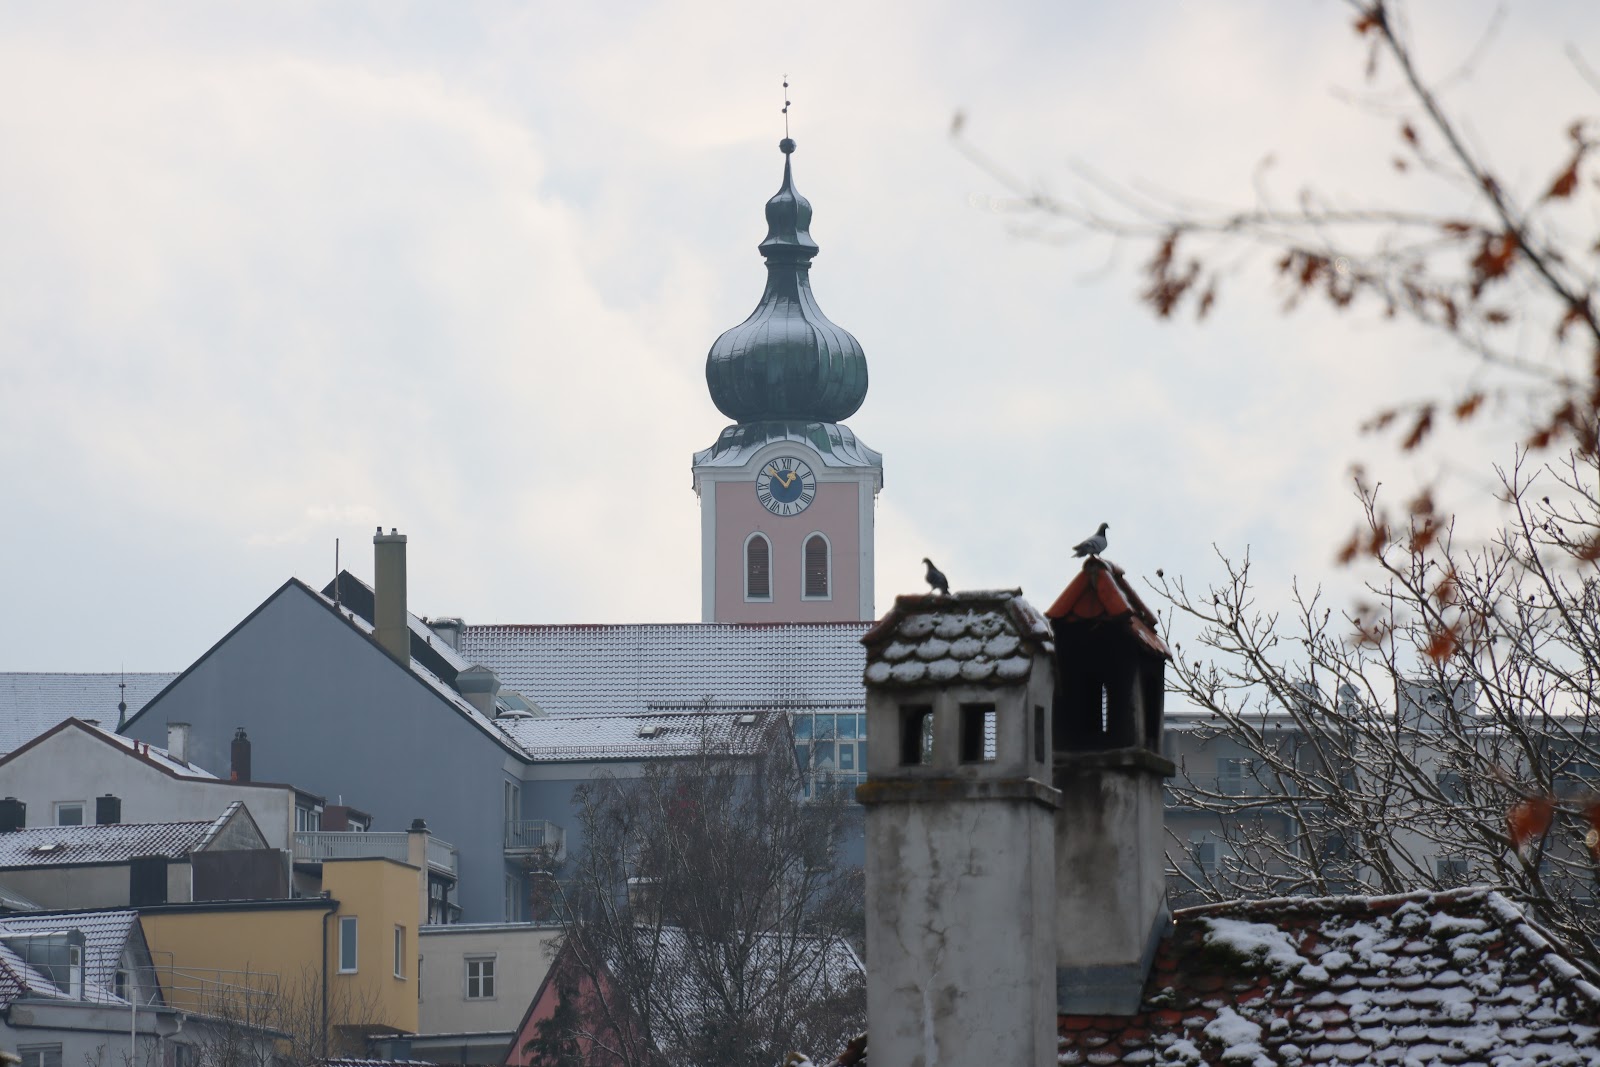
point(275, 274)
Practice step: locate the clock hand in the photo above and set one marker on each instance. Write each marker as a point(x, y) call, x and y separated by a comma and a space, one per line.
point(787, 482)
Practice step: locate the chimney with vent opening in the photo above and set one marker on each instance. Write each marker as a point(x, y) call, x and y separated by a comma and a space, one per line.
point(1111, 891)
point(390, 624)
point(239, 764)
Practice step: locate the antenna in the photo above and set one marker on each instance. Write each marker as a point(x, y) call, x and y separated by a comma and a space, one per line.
point(336, 573)
point(786, 107)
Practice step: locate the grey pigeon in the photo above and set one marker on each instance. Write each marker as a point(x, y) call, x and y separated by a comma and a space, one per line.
point(936, 577)
point(1092, 546)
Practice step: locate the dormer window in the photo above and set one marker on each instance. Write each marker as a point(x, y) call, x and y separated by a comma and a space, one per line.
point(757, 568)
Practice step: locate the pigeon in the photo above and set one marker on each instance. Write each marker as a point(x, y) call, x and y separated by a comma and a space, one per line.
point(936, 577)
point(1092, 546)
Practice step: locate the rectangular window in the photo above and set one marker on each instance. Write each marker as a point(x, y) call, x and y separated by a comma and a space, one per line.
point(1452, 785)
point(480, 978)
point(978, 733)
point(40, 1055)
point(307, 820)
point(822, 755)
point(69, 813)
point(1234, 776)
point(347, 944)
point(512, 799)
point(823, 727)
point(399, 951)
point(847, 726)
point(847, 757)
point(802, 727)
point(916, 735)
point(1452, 870)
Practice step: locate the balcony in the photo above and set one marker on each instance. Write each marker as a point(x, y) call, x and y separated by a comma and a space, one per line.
point(317, 846)
point(531, 837)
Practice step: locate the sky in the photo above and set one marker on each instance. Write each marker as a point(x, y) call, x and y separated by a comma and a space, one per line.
point(272, 275)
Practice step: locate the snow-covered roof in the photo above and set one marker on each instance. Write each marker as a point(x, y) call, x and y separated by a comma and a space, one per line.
point(585, 669)
point(68, 846)
point(158, 756)
point(105, 935)
point(31, 703)
point(655, 735)
point(988, 637)
point(1454, 977)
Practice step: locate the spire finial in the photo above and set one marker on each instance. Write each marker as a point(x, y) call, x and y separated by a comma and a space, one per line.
point(786, 151)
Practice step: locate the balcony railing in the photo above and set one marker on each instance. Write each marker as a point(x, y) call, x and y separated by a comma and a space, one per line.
point(524, 837)
point(320, 845)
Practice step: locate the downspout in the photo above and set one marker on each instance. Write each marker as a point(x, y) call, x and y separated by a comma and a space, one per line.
point(325, 917)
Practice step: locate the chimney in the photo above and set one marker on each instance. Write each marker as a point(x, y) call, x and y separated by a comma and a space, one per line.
point(390, 625)
point(1111, 891)
point(107, 810)
point(178, 741)
point(239, 757)
point(479, 685)
point(13, 815)
point(449, 630)
point(960, 832)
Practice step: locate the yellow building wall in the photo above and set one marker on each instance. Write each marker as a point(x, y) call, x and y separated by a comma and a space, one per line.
point(200, 952)
point(382, 895)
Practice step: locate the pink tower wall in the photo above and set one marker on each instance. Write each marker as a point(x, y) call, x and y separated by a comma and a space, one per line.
point(835, 513)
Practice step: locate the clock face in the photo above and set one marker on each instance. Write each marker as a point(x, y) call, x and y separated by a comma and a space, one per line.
point(785, 485)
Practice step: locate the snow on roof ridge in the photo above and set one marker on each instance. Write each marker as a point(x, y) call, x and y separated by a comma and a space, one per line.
point(1339, 902)
point(1515, 920)
point(218, 823)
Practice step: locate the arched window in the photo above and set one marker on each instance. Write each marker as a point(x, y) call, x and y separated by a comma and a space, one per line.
point(757, 568)
point(818, 577)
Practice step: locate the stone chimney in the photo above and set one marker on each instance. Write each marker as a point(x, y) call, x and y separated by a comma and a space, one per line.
point(390, 625)
point(449, 629)
point(239, 756)
point(960, 833)
point(178, 741)
point(1110, 863)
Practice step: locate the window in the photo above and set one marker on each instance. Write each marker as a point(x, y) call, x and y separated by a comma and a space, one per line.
point(916, 735)
point(1452, 785)
point(1452, 870)
point(307, 819)
point(512, 799)
point(480, 977)
point(69, 813)
point(1233, 776)
point(347, 944)
point(757, 568)
point(40, 1055)
point(818, 568)
point(978, 740)
point(399, 951)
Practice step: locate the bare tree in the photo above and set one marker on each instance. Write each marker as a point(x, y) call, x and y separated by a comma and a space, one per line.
point(1443, 731)
point(711, 916)
point(1491, 266)
point(266, 1020)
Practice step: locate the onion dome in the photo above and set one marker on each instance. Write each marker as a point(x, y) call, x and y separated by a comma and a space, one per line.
point(787, 360)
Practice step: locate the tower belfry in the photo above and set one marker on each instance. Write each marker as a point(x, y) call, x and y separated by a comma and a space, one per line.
point(787, 492)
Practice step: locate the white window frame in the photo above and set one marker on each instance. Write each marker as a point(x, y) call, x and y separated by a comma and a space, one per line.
point(399, 951)
point(827, 544)
point(744, 566)
point(350, 933)
point(83, 812)
point(485, 977)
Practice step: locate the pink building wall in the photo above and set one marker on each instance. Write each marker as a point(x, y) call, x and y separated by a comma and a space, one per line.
point(835, 513)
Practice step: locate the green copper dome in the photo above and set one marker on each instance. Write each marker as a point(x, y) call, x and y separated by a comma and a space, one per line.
point(787, 361)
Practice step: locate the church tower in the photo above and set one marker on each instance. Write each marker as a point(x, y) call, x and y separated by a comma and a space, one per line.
point(787, 492)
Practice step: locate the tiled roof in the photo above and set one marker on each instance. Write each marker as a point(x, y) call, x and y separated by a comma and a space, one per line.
point(988, 636)
point(1460, 977)
point(31, 703)
point(676, 733)
point(105, 934)
point(620, 669)
point(67, 846)
point(158, 756)
point(1101, 593)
